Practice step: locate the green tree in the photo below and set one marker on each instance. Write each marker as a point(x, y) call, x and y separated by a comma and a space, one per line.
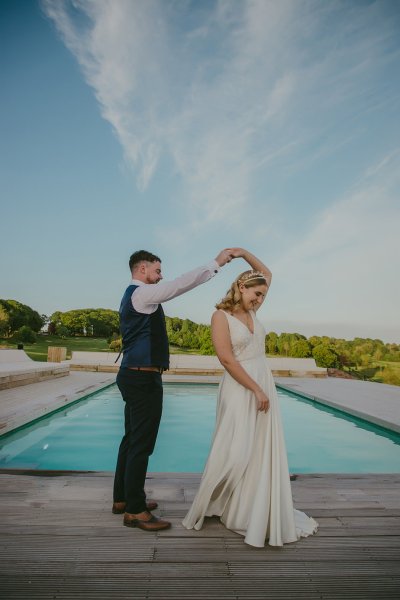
point(207, 347)
point(300, 349)
point(325, 356)
point(4, 321)
point(283, 344)
point(271, 346)
point(314, 340)
point(19, 314)
point(51, 328)
point(97, 322)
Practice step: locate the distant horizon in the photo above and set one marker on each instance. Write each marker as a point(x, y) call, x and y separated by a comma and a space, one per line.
point(184, 127)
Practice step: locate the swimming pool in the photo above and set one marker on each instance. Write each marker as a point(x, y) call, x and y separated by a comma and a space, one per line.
point(86, 436)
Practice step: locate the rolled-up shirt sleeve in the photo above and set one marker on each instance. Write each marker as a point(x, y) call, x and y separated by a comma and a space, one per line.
point(147, 297)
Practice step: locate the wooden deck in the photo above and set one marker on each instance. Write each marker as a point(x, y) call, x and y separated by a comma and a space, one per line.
point(59, 540)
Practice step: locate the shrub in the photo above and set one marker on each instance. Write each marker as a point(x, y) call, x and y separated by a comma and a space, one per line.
point(368, 372)
point(113, 337)
point(25, 334)
point(116, 345)
point(62, 331)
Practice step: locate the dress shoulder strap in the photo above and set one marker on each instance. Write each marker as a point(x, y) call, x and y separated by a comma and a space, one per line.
point(226, 313)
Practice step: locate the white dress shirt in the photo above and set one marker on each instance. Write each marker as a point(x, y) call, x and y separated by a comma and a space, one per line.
point(147, 297)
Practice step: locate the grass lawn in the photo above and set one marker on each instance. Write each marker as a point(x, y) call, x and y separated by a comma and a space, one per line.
point(389, 364)
point(179, 350)
point(38, 351)
point(380, 371)
point(390, 373)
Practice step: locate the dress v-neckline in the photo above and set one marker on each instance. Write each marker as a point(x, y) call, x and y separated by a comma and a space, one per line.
point(244, 325)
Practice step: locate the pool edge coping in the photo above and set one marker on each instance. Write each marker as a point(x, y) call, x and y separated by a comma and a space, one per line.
point(383, 423)
point(58, 407)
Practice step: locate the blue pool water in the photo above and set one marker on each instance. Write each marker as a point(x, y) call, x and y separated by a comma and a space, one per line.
point(86, 436)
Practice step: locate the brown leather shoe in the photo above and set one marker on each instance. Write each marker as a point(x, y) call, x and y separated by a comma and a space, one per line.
point(118, 508)
point(145, 521)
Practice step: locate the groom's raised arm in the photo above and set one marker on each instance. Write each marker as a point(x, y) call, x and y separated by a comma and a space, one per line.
point(146, 296)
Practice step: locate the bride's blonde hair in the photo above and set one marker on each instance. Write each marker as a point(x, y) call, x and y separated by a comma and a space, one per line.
point(233, 299)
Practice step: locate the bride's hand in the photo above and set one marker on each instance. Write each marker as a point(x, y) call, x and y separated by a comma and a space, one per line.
point(237, 252)
point(262, 401)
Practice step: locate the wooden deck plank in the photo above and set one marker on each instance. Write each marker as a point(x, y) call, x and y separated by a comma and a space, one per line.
point(59, 540)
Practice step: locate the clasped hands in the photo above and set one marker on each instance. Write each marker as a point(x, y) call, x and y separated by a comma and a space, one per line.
point(226, 255)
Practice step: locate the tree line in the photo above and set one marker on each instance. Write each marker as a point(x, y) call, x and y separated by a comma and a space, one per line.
point(327, 351)
point(332, 352)
point(361, 355)
point(20, 322)
point(93, 322)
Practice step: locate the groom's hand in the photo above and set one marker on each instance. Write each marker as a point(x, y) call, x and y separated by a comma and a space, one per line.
point(224, 257)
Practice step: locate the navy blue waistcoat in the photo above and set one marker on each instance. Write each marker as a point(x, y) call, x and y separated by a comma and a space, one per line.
point(144, 337)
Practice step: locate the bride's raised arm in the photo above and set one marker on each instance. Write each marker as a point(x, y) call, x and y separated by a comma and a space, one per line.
point(255, 263)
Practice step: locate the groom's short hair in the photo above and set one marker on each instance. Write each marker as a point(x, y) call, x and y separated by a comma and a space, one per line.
point(141, 255)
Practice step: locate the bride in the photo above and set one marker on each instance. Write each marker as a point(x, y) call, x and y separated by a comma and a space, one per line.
point(246, 479)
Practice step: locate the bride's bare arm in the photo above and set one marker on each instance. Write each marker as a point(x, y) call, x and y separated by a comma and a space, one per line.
point(222, 343)
point(255, 263)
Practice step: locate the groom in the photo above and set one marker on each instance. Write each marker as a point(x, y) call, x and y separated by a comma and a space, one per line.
point(145, 357)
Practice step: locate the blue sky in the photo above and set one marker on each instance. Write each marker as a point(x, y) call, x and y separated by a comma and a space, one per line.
point(184, 127)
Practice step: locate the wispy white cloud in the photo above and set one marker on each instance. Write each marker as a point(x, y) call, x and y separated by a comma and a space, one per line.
point(120, 47)
point(390, 160)
point(223, 90)
point(232, 93)
point(164, 91)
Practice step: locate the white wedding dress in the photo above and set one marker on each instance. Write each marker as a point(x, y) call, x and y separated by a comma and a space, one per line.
point(246, 479)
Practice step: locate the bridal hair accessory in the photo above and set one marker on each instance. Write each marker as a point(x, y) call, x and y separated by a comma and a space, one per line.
point(250, 276)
